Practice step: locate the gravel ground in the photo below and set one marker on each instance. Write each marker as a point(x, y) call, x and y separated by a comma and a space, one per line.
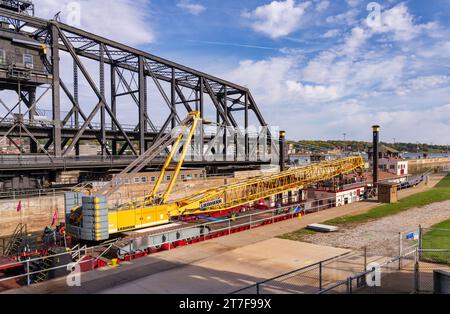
point(381, 237)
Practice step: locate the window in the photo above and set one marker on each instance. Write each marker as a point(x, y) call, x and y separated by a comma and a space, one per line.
point(2, 57)
point(28, 61)
point(153, 179)
point(137, 180)
point(127, 181)
point(168, 178)
point(144, 179)
point(183, 177)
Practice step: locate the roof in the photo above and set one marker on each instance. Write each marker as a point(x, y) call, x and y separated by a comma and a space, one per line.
point(383, 176)
point(382, 147)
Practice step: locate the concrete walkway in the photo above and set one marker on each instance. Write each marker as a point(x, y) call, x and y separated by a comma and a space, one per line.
point(220, 265)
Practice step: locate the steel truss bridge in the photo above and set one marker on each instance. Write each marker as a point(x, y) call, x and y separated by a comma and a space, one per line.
point(124, 72)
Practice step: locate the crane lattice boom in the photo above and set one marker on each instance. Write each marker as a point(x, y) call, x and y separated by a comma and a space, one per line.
point(91, 219)
point(251, 190)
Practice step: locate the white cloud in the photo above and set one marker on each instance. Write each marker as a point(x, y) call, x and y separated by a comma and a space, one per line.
point(278, 18)
point(430, 124)
point(348, 18)
point(331, 33)
point(192, 8)
point(312, 93)
point(353, 3)
point(265, 78)
point(439, 49)
point(125, 21)
point(355, 40)
point(424, 83)
point(427, 82)
point(370, 77)
point(401, 23)
point(322, 5)
point(274, 81)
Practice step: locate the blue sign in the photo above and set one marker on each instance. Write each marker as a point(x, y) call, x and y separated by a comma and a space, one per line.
point(412, 235)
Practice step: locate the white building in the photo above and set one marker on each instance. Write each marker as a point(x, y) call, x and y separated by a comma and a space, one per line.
point(323, 199)
point(396, 166)
point(389, 160)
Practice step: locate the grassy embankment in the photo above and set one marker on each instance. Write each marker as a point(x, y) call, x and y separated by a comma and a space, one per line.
point(439, 193)
point(439, 238)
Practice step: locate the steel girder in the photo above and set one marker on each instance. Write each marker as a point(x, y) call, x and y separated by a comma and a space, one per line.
point(226, 97)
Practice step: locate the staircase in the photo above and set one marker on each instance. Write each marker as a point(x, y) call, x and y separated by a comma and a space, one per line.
point(42, 266)
point(82, 187)
point(16, 242)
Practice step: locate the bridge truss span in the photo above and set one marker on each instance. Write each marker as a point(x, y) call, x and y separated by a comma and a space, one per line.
point(111, 71)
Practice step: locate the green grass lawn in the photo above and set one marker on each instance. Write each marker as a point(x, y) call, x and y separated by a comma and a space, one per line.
point(437, 239)
point(440, 193)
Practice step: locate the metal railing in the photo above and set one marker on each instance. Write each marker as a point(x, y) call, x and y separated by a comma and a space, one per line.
point(309, 279)
point(229, 225)
point(348, 274)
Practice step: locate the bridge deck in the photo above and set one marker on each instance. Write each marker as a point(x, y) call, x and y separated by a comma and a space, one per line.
point(40, 162)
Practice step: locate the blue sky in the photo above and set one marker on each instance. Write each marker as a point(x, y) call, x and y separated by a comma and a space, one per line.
point(316, 68)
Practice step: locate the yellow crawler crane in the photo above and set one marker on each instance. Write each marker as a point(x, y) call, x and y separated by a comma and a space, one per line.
point(228, 196)
point(253, 189)
point(154, 209)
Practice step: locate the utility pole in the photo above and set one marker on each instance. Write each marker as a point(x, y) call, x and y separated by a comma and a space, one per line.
point(345, 145)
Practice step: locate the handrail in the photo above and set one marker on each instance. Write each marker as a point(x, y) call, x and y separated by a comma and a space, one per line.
point(104, 252)
point(299, 271)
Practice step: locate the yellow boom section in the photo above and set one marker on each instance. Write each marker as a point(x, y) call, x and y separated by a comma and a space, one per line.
point(253, 189)
point(143, 213)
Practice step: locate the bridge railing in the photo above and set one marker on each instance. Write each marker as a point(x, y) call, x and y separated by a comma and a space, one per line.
point(43, 159)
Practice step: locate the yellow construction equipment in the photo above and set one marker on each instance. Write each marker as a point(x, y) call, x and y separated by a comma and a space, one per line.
point(154, 209)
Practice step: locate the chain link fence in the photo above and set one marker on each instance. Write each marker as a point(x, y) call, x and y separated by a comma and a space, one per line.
point(433, 254)
point(402, 264)
point(311, 279)
point(424, 270)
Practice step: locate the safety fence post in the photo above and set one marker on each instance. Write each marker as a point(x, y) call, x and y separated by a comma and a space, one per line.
point(400, 250)
point(416, 272)
point(420, 242)
point(28, 272)
point(320, 276)
point(349, 285)
point(365, 258)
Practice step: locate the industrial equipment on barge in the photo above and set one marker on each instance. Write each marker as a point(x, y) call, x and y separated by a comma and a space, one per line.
point(89, 218)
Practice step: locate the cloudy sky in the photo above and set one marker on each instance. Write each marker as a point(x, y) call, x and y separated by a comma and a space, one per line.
point(316, 68)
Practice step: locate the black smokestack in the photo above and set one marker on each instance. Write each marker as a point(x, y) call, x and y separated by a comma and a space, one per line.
point(282, 150)
point(376, 140)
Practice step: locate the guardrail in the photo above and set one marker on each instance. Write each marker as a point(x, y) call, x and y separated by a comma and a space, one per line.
point(231, 225)
point(313, 274)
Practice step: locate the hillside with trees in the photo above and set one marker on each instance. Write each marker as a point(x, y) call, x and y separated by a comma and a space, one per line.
point(358, 146)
